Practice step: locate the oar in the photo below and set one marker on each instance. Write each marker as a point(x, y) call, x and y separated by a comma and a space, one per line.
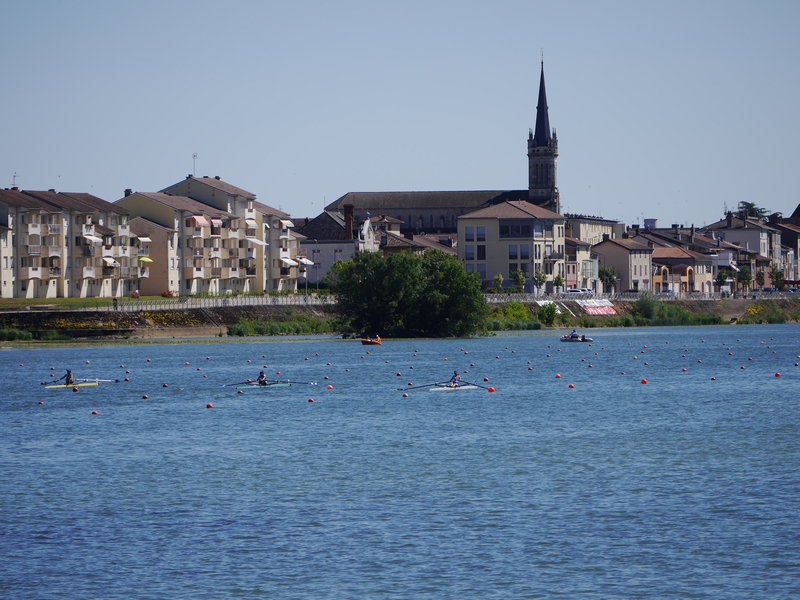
point(287, 381)
point(475, 384)
point(416, 387)
point(240, 383)
point(98, 380)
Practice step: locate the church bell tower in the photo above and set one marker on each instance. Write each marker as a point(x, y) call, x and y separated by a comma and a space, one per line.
point(543, 157)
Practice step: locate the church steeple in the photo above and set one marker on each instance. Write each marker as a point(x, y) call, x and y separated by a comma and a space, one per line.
point(542, 155)
point(541, 135)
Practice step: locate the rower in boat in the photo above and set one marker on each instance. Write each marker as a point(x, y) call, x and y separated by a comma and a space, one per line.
point(454, 380)
point(69, 379)
point(262, 379)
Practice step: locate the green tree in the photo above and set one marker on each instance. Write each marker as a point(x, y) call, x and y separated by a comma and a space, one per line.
point(744, 278)
point(518, 279)
point(760, 278)
point(404, 294)
point(751, 210)
point(776, 275)
point(517, 311)
point(539, 279)
point(547, 313)
point(497, 281)
point(558, 281)
point(608, 277)
point(721, 279)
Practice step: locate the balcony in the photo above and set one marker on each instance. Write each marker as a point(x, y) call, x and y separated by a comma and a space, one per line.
point(197, 253)
point(108, 251)
point(195, 273)
point(124, 251)
point(233, 232)
point(127, 272)
point(87, 229)
point(216, 272)
point(124, 230)
point(286, 271)
point(214, 253)
point(34, 250)
point(89, 273)
point(55, 271)
point(144, 271)
point(143, 251)
point(250, 271)
point(52, 250)
point(87, 250)
point(110, 273)
point(249, 253)
point(284, 234)
point(51, 229)
point(233, 252)
point(30, 273)
point(554, 256)
point(197, 232)
point(34, 229)
point(216, 231)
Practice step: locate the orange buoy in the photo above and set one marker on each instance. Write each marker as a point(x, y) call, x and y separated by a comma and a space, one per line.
point(330, 387)
point(209, 405)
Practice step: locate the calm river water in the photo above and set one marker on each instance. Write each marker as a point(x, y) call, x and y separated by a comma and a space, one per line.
point(686, 486)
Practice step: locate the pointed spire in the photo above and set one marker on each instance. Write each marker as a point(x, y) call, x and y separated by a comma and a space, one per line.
point(542, 133)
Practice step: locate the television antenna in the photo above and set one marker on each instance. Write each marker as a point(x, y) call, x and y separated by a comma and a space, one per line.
point(194, 164)
point(14, 179)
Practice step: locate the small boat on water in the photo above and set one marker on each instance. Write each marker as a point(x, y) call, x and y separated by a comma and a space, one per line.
point(267, 386)
point(446, 387)
point(78, 384)
point(580, 338)
point(368, 341)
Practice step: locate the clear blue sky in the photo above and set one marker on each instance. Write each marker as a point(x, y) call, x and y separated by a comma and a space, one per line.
point(670, 110)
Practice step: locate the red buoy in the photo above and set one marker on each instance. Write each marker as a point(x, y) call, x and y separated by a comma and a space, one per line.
point(241, 392)
point(486, 379)
point(330, 387)
point(94, 412)
point(405, 395)
point(310, 399)
point(644, 380)
point(165, 385)
point(558, 376)
point(491, 390)
point(75, 389)
point(571, 386)
point(144, 397)
point(209, 405)
point(41, 401)
point(777, 374)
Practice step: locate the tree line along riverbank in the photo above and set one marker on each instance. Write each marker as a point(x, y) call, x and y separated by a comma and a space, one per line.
point(278, 320)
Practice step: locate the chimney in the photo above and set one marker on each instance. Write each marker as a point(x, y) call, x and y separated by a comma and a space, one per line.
point(216, 177)
point(409, 235)
point(675, 228)
point(190, 176)
point(693, 233)
point(348, 221)
point(128, 192)
point(729, 216)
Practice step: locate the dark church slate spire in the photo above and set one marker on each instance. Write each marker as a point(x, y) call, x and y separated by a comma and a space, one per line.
point(541, 134)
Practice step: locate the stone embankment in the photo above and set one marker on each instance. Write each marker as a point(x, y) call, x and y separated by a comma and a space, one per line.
point(188, 322)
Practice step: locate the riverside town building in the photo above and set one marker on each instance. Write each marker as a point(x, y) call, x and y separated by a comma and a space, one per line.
point(203, 235)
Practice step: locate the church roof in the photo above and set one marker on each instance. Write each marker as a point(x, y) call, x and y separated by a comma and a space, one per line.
point(388, 202)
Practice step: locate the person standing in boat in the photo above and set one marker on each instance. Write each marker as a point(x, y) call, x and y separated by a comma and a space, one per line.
point(262, 379)
point(455, 379)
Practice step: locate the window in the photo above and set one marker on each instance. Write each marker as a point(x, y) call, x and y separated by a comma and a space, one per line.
point(515, 229)
point(469, 234)
point(481, 252)
point(524, 251)
point(481, 234)
point(469, 252)
point(538, 250)
point(512, 252)
point(511, 268)
point(481, 267)
point(548, 250)
point(537, 229)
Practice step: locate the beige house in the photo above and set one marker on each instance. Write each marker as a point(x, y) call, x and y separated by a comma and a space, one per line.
point(510, 236)
point(632, 260)
point(680, 272)
point(162, 264)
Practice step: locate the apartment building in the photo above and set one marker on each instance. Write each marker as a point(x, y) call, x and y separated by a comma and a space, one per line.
point(632, 260)
point(513, 235)
point(66, 245)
